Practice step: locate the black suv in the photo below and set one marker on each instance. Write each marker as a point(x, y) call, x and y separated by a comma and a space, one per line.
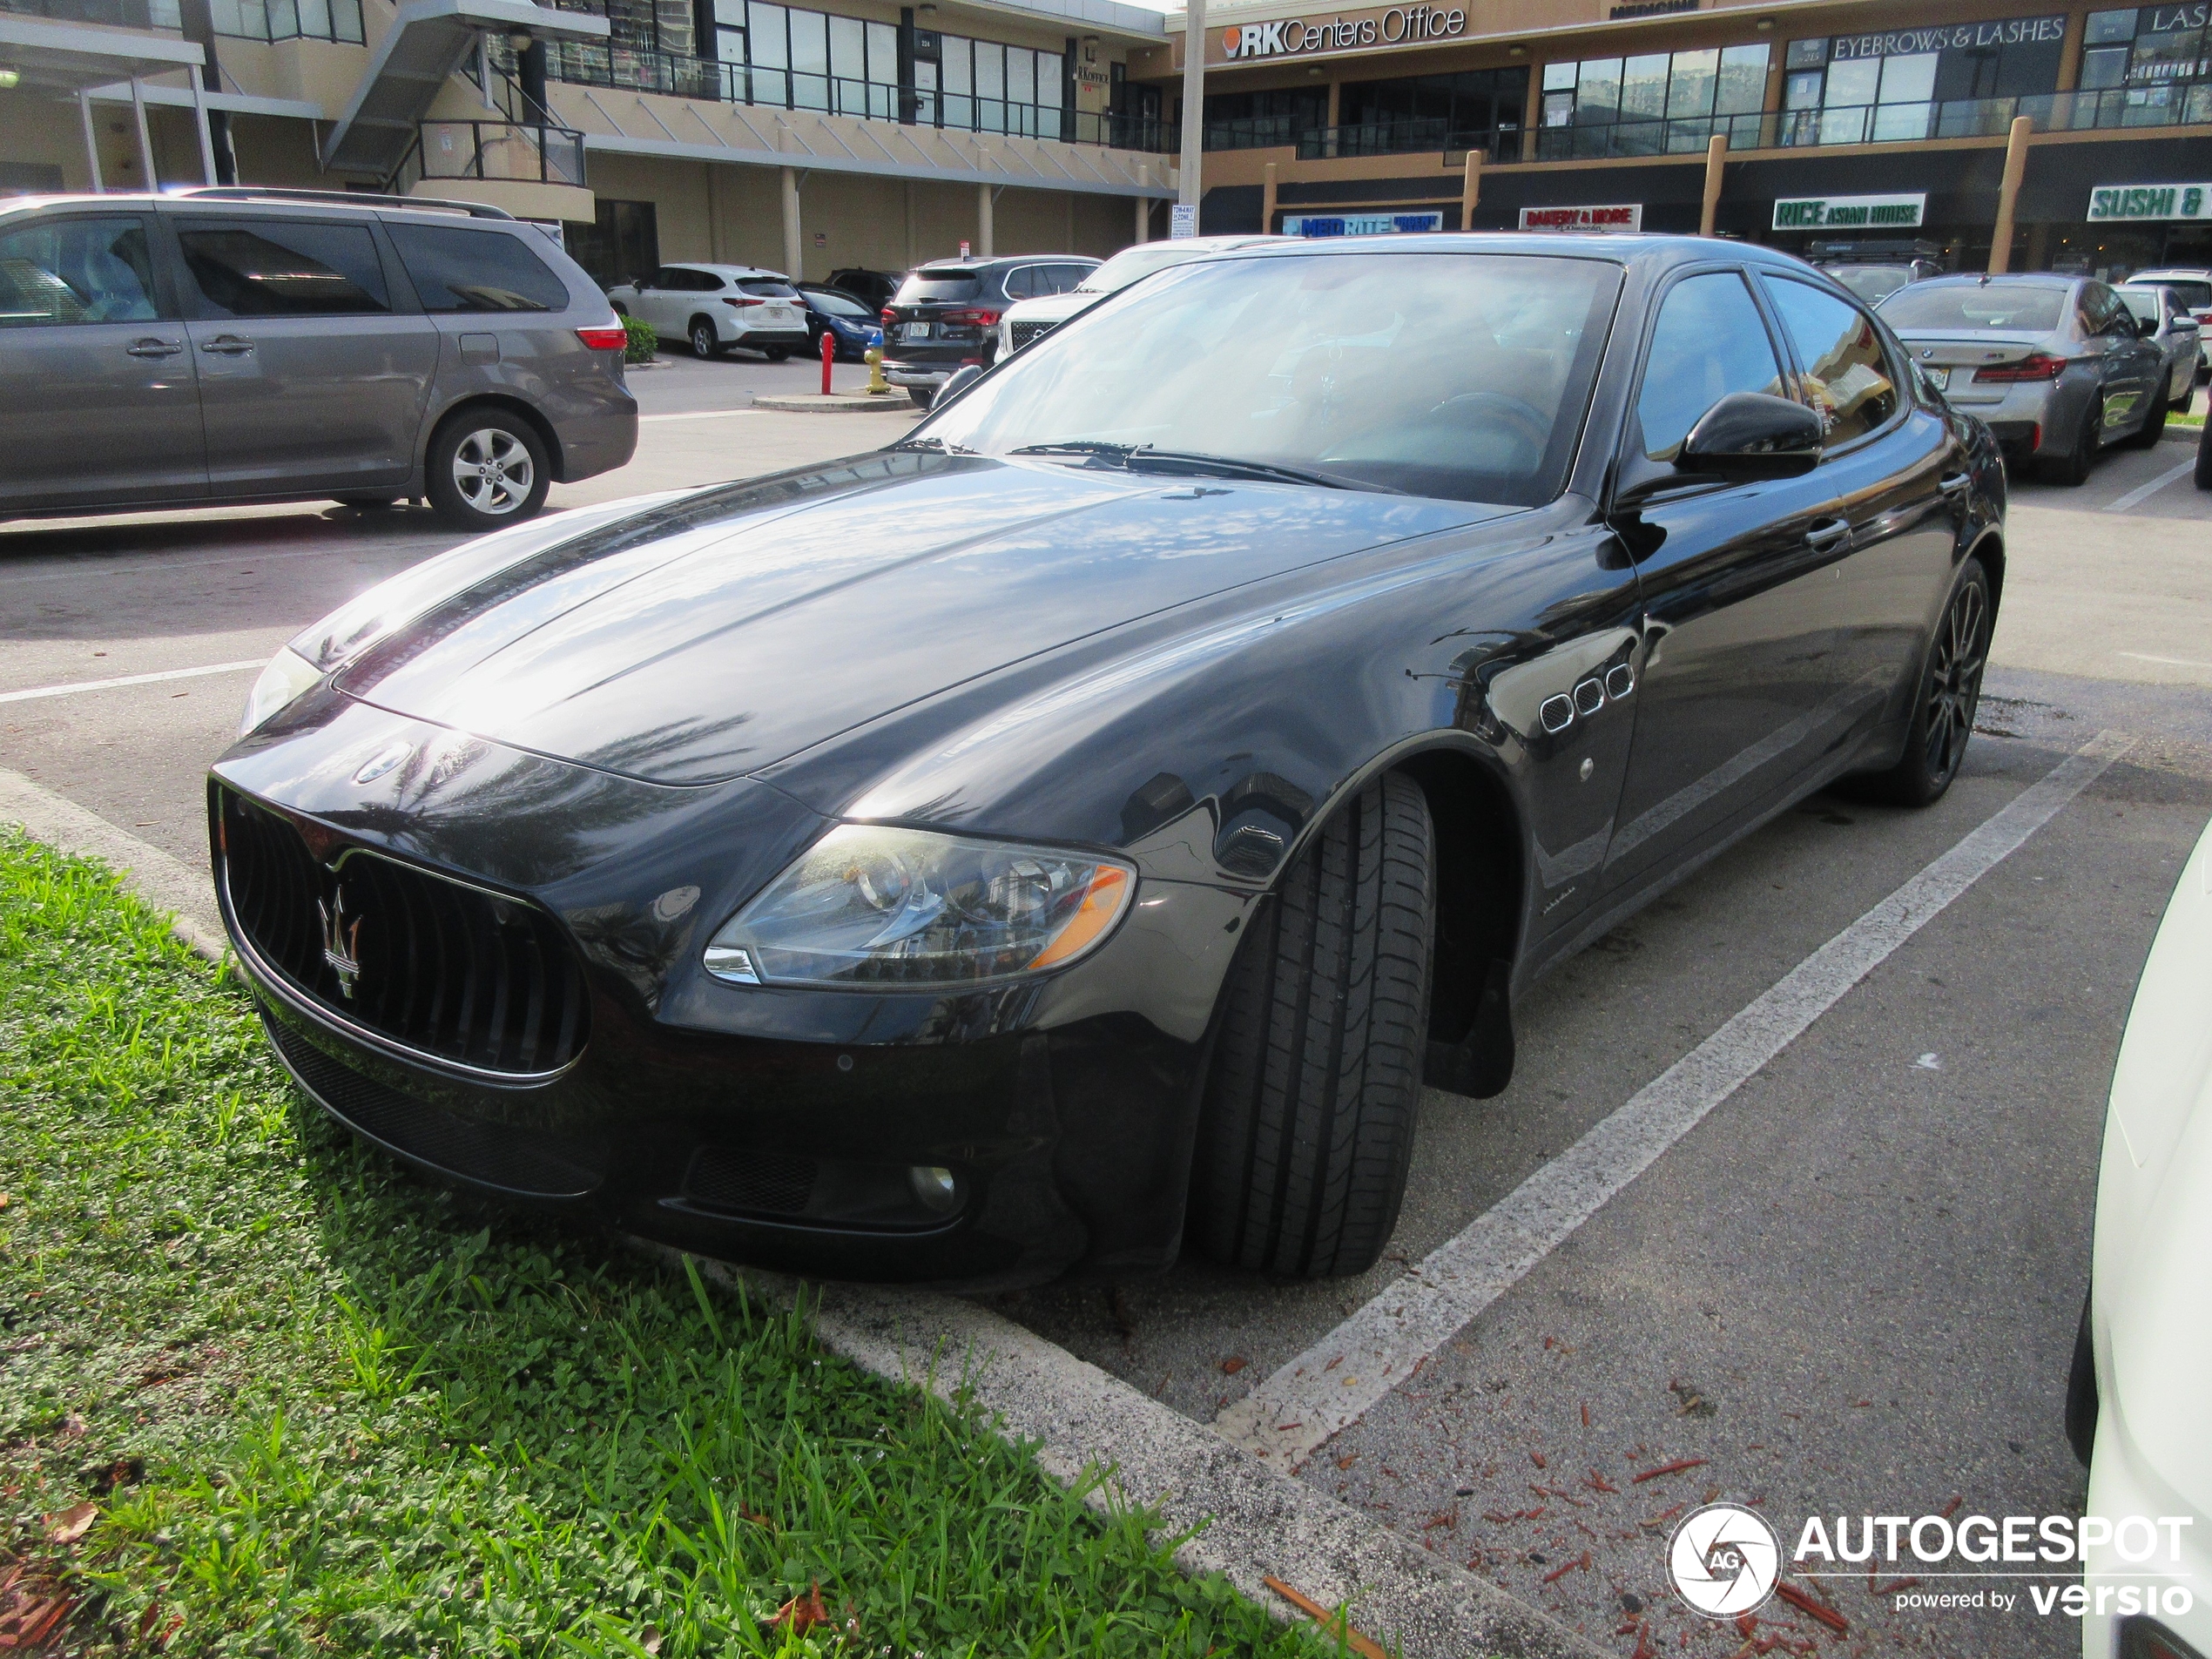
point(946, 315)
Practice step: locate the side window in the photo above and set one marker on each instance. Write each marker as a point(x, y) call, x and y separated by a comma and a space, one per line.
point(1710, 341)
point(1846, 373)
point(1058, 279)
point(61, 271)
point(464, 270)
point(1021, 282)
point(668, 278)
point(280, 268)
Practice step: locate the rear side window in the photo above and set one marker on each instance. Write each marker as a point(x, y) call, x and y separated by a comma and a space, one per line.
point(767, 287)
point(1064, 277)
point(1846, 373)
point(59, 272)
point(286, 268)
point(946, 287)
point(1710, 341)
point(455, 269)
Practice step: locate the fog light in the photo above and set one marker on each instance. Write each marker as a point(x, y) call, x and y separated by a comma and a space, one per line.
point(937, 1188)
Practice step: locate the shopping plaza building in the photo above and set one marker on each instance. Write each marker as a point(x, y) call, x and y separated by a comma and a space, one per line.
point(864, 132)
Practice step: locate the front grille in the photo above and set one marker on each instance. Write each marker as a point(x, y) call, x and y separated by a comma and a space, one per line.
point(772, 1184)
point(1022, 333)
point(442, 970)
point(512, 1160)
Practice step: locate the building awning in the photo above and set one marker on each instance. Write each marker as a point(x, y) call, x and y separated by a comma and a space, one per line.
point(73, 57)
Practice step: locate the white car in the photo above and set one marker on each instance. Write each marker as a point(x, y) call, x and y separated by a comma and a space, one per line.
point(716, 306)
point(1025, 321)
point(2193, 284)
point(2139, 1401)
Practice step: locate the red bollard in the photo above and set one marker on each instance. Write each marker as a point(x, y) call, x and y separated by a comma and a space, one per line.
point(829, 357)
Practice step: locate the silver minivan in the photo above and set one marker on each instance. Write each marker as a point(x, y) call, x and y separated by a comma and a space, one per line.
point(214, 346)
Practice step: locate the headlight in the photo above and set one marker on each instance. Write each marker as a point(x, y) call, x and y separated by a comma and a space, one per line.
point(898, 908)
point(287, 676)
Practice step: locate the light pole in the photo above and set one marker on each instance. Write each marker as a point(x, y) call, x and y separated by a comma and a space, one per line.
point(1194, 104)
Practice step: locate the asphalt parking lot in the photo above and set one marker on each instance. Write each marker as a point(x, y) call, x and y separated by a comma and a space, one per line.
point(1850, 1289)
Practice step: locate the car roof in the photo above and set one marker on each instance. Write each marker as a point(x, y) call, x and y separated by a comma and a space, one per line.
point(977, 267)
point(245, 199)
point(723, 270)
point(1653, 249)
point(2002, 280)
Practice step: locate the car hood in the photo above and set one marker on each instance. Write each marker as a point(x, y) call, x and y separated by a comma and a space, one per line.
point(712, 636)
point(1051, 307)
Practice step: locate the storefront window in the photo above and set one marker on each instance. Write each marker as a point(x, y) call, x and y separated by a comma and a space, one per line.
point(1905, 85)
point(2146, 67)
point(1476, 110)
point(1653, 103)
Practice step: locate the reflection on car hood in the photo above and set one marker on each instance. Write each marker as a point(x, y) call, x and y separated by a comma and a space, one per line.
point(1052, 307)
point(711, 636)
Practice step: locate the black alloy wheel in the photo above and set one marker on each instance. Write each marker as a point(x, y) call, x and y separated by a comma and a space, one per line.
point(704, 342)
point(1943, 718)
point(2154, 426)
point(2072, 468)
point(1307, 1130)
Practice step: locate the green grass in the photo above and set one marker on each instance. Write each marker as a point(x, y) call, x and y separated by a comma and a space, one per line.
point(324, 1408)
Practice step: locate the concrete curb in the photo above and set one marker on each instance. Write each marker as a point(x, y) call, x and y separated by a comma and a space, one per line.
point(835, 403)
point(1256, 1523)
point(166, 883)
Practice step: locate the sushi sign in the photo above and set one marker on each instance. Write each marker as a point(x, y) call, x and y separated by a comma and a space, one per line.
point(2151, 201)
point(1851, 213)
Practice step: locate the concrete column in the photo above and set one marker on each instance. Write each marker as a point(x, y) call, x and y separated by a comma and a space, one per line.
point(1471, 190)
point(152, 180)
point(1194, 100)
point(909, 204)
point(200, 119)
point(1143, 224)
point(792, 251)
point(2000, 240)
point(1716, 159)
point(1267, 202)
point(1336, 100)
point(983, 205)
point(92, 141)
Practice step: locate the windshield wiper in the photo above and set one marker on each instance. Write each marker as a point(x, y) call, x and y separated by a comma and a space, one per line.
point(1134, 457)
point(938, 444)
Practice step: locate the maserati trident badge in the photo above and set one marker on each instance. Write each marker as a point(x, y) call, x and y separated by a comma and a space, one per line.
point(341, 941)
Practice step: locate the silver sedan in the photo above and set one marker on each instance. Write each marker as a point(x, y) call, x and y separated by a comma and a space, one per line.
point(2054, 364)
point(2164, 319)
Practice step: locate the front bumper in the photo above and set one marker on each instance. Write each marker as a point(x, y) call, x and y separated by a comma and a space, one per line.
point(774, 1127)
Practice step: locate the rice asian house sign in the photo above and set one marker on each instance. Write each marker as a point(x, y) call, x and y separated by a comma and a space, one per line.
point(1346, 31)
point(1851, 213)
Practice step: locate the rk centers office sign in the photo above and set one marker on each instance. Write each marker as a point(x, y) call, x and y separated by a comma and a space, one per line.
point(2120, 202)
point(1851, 213)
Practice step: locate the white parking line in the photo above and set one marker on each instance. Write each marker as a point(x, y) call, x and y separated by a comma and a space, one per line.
point(697, 414)
point(2144, 492)
point(2170, 662)
point(1335, 1382)
point(73, 687)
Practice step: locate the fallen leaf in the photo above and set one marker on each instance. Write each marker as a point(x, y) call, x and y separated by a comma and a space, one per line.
point(1537, 1458)
point(801, 1613)
point(70, 1524)
point(1348, 1460)
point(1675, 1467)
point(1230, 1367)
point(1335, 1624)
point(1804, 1604)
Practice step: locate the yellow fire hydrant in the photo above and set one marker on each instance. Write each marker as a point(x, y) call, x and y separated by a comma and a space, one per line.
point(877, 385)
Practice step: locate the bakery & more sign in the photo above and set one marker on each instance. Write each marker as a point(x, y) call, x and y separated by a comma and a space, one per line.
point(1850, 213)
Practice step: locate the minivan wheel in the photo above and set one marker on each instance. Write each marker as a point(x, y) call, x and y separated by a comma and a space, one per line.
point(1307, 1129)
point(922, 395)
point(487, 468)
point(704, 342)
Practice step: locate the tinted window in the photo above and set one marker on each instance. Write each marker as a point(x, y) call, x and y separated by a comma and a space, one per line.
point(76, 270)
point(1845, 371)
point(2029, 307)
point(2097, 308)
point(951, 288)
point(768, 287)
point(1710, 341)
point(2198, 295)
point(462, 270)
point(1021, 282)
point(1065, 277)
point(1458, 375)
point(276, 268)
point(1872, 283)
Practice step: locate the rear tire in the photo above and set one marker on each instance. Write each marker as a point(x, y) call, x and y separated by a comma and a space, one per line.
point(2081, 1392)
point(1308, 1126)
point(705, 342)
point(776, 353)
point(923, 397)
point(487, 469)
point(2204, 457)
point(1949, 692)
point(2154, 426)
point(2072, 468)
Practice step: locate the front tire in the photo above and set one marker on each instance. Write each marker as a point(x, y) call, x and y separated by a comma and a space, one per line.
point(923, 397)
point(1950, 692)
point(1308, 1126)
point(487, 469)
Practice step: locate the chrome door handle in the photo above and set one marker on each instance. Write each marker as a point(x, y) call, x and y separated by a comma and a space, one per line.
point(1828, 535)
point(227, 345)
point(1956, 481)
point(154, 348)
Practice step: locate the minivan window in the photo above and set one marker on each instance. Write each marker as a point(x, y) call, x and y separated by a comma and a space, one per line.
point(939, 286)
point(456, 269)
point(56, 272)
point(284, 268)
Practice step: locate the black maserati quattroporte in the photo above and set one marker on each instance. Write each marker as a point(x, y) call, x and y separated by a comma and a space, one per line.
point(1081, 827)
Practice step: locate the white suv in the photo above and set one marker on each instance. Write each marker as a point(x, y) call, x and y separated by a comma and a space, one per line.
point(1024, 322)
point(2192, 285)
point(716, 306)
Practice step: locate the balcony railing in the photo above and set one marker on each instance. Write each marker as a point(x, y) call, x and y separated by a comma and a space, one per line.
point(634, 70)
point(1256, 132)
point(1406, 138)
point(332, 20)
point(1684, 136)
point(497, 150)
point(2164, 105)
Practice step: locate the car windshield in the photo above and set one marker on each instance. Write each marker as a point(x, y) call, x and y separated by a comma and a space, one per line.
point(2196, 294)
point(1131, 263)
point(767, 287)
point(2025, 306)
point(838, 305)
point(1458, 375)
point(944, 286)
point(1872, 283)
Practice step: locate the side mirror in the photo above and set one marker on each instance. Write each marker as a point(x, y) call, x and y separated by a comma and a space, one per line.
point(1750, 434)
point(2145, 326)
point(963, 377)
